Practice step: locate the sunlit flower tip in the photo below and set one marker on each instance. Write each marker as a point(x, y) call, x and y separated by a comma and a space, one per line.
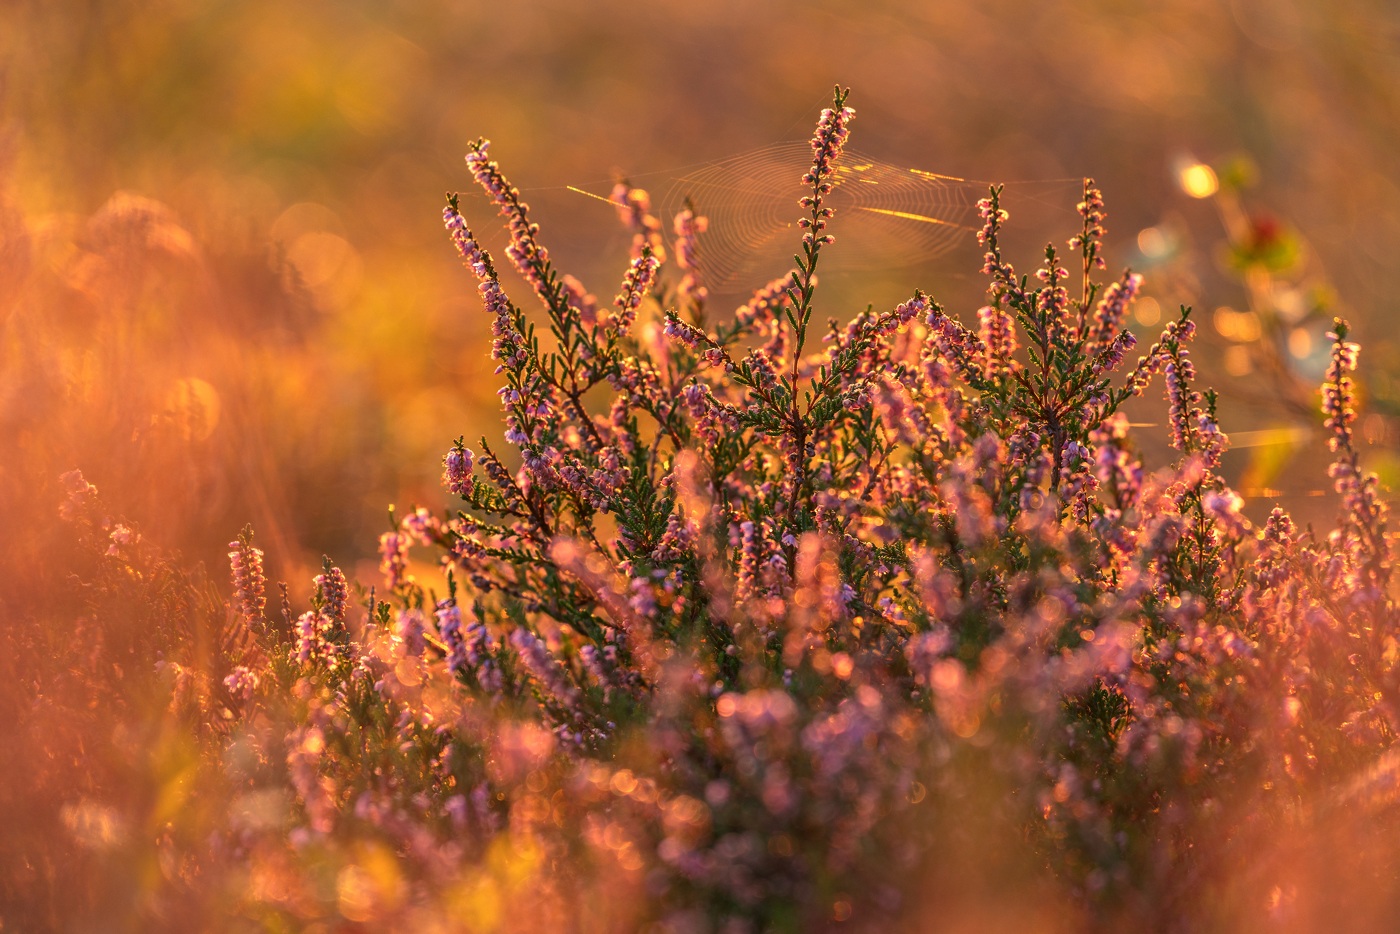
point(687, 334)
point(334, 591)
point(1338, 399)
point(636, 284)
point(457, 469)
point(832, 129)
point(530, 259)
point(246, 567)
point(1111, 356)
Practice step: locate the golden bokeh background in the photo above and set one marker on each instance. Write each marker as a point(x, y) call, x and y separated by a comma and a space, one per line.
point(226, 296)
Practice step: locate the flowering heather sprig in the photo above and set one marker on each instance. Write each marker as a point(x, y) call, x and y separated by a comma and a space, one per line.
point(1004, 284)
point(529, 258)
point(1053, 301)
point(634, 209)
point(1090, 240)
point(833, 127)
point(449, 624)
point(1151, 363)
point(538, 660)
point(333, 591)
point(687, 334)
point(476, 259)
point(997, 332)
point(710, 352)
point(1364, 515)
point(636, 285)
point(1111, 357)
point(958, 345)
point(121, 537)
point(393, 558)
point(312, 645)
point(1338, 401)
point(241, 683)
point(1182, 400)
point(246, 565)
point(457, 469)
point(1112, 309)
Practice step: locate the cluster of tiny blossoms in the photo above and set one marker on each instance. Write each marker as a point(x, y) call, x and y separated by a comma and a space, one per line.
point(732, 649)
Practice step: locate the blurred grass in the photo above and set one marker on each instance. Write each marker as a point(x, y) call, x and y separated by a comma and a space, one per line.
point(244, 198)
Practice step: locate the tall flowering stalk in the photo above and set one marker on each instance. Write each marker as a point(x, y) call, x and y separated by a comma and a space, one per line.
point(249, 582)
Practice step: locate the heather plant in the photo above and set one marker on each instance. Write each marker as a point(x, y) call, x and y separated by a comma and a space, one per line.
point(762, 625)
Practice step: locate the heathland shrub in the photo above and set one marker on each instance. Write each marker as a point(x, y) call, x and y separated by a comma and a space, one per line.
point(766, 632)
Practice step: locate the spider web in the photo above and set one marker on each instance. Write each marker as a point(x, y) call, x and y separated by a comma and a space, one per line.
point(886, 216)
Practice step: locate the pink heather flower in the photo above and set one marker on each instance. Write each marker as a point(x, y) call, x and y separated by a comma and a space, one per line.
point(246, 565)
point(1338, 400)
point(1090, 241)
point(827, 142)
point(641, 276)
point(509, 345)
point(687, 334)
point(765, 374)
point(74, 483)
point(1053, 300)
point(542, 665)
point(1182, 399)
point(634, 210)
point(1211, 441)
point(1175, 333)
point(449, 623)
point(997, 331)
point(241, 683)
point(334, 592)
point(409, 626)
point(1112, 309)
point(1224, 506)
point(421, 526)
point(311, 630)
point(959, 346)
point(393, 553)
point(529, 258)
point(750, 559)
point(457, 469)
point(1111, 356)
point(1004, 283)
point(121, 536)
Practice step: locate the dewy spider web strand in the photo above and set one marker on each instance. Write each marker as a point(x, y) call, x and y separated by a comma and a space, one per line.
point(886, 216)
